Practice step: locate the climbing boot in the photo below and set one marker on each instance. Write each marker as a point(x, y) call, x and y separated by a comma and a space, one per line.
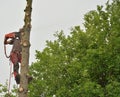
point(17, 78)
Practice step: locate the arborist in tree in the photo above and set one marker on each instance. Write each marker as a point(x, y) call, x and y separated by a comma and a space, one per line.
point(14, 38)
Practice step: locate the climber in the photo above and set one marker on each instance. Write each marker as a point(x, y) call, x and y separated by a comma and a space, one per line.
point(14, 38)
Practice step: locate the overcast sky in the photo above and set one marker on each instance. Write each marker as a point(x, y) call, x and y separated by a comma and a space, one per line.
point(48, 16)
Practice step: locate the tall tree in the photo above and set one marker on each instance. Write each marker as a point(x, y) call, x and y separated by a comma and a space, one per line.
point(25, 35)
point(84, 64)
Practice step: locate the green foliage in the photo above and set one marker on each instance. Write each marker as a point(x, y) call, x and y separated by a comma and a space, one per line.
point(113, 89)
point(4, 91)
point(84, 63)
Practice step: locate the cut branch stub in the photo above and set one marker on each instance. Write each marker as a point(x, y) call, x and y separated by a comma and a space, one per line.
point(21, 89)
point(22, 33)
point(26, 43)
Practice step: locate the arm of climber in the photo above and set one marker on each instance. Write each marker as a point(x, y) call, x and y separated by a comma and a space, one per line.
point(9, 38)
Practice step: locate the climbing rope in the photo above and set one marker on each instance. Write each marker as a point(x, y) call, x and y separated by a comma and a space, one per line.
point(9, 82)
point(6, 52)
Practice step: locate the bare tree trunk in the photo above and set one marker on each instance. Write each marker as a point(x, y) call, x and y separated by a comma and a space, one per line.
point(25, 42)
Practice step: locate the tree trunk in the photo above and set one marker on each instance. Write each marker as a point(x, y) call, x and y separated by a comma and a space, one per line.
point(25, 43)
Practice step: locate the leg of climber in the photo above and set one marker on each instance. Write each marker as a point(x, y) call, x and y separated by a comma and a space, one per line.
point(14, 59)
point(16, 73)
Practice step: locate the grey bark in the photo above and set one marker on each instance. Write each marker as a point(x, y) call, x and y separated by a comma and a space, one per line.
point(25, 43)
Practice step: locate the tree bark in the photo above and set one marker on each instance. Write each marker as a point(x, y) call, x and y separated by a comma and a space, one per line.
point(25, 43)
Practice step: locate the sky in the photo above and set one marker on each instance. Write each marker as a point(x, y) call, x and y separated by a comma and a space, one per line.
point(48, 16)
